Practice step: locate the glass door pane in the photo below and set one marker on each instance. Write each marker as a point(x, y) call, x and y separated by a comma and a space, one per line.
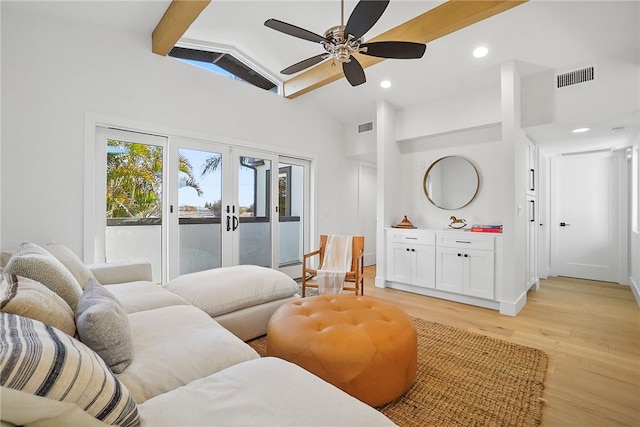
point(199, 209)
point(134, 198)
point(292, 183)
point(252, 216)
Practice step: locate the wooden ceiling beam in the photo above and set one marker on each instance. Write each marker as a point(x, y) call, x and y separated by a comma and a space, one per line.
point(174, 23)
point(433, 24)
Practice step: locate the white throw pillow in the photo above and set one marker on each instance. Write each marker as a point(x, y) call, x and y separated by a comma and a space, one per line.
point(71, 261)
point(25, 297)
point(34, 262)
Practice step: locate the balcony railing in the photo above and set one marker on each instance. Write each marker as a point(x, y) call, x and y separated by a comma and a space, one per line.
point(200, 242)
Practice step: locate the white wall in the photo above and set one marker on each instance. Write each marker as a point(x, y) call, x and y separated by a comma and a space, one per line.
point(0, 132)
point(416, 160)
point(53, 72)
point(634, 252)
point(360, 145)
point(471, 110)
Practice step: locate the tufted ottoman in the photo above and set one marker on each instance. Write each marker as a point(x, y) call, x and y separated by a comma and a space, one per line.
point(361, 345)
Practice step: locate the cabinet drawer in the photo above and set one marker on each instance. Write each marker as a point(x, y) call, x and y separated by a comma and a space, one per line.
point(466, 240)
point(412, 237)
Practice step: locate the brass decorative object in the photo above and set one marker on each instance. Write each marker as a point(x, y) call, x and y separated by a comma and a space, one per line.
point(457, 223)
point(405, 223)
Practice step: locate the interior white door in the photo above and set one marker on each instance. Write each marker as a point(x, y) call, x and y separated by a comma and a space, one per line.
point(584, 220)
point(367, 211)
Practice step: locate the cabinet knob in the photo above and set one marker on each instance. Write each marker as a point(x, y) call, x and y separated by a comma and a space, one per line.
point(413, 250)
point(459, 254)
point(465, 255)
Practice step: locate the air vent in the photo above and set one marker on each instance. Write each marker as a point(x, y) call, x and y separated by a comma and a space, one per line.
point(574, 77)
point(365, 127)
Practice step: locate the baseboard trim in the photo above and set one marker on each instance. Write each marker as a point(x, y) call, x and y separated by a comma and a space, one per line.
point(513, 308)
point(635, 289)
point(450, 296)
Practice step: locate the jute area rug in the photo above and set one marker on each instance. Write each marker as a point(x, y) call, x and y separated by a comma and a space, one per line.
point(467, 379)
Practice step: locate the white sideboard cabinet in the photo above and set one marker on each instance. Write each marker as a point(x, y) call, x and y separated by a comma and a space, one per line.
point(456, 265)
point(411, 256)
point(465, 264)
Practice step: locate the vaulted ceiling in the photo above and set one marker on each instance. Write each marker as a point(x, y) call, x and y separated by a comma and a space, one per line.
point(540, 35)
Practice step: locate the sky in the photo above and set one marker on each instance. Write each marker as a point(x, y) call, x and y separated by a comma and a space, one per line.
point(211, 184)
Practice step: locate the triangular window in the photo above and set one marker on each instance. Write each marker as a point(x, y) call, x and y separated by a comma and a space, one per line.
point(227, 64)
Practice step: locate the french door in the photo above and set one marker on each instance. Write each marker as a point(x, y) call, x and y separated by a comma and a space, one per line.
point(252, 207)
point(198, 186)
point(221, 207)
point(130, 209)
point(188, 205)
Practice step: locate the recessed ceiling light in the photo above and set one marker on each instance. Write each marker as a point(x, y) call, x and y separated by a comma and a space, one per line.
point(580, 130)
point(385, 84)
point(480, 52)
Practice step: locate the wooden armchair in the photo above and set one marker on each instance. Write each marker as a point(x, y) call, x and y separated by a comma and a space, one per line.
point(354, 277)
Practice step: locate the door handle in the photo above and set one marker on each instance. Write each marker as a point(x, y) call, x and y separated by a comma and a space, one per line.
point(235, 223)
point(532, 187)
point(228, 223)
point(533, 211)
point(564, 224)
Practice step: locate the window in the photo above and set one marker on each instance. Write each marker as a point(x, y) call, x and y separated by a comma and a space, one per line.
point(226, 63)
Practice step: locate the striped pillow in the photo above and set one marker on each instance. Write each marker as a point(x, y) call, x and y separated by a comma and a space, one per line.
point(42, 361)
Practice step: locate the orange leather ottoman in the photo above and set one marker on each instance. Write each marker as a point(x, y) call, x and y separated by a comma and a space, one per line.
point(363, 346)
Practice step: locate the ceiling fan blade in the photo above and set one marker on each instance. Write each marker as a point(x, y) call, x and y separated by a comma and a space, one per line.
point(364, 16)
point(354, 72)
point(294, 31)
point(396, 50)
point(304, 64)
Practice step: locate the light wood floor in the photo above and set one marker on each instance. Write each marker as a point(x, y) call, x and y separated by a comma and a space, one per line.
point(589, 329)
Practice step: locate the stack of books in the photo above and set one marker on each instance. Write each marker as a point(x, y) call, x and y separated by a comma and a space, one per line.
point(483, 228)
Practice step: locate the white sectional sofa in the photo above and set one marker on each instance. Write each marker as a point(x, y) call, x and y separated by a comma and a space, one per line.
point(178, 366)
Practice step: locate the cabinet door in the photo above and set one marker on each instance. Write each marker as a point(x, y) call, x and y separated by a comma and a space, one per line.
point(532, 169)
point(480, 273)
point(424, 267)
point(532, 244)
point(450, 269)
point(399, 263)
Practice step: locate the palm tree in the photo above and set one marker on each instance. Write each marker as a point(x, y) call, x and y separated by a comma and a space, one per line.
point(134, 179)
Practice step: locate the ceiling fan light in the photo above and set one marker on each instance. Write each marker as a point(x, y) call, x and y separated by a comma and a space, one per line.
point(385, 84)
point(480, 52)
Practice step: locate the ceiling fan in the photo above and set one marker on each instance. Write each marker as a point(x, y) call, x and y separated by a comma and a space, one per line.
point(342, 41)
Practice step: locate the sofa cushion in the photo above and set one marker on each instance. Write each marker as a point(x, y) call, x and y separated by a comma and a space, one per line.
point(71, 261)
point(41, 361)
point(175, 345)
point(140, 296)
point(103, 325)
point(228, 289)
point(25, 297)
point(34, 262)
point(262, 392)
point(115, 272)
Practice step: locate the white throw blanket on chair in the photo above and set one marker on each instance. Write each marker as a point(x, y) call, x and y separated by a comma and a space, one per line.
point(335, 265)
